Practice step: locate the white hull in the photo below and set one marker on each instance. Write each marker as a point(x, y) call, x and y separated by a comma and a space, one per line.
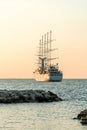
point(55, 78)
point(46, 77)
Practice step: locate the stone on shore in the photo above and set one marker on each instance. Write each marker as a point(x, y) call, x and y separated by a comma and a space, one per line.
point(20, 96)
point(83, 117)
point(82, 114)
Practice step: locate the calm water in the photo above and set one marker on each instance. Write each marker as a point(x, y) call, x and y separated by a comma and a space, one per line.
point(45, 116)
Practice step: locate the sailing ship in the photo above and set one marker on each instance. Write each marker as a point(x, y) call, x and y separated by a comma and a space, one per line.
point(47, 71)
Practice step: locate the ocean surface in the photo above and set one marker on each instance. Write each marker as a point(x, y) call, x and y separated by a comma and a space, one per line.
point(45, 116)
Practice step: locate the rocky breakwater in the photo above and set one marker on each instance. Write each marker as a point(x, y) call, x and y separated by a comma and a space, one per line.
point(20, 96)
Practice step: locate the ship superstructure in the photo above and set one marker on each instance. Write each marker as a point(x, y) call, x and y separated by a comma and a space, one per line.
point(45, 68)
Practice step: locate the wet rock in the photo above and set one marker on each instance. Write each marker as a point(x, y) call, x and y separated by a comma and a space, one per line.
point(74, 118)
point(15, 96)
point(82, 114)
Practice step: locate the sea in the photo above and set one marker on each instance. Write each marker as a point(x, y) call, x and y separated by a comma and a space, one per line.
point(45, 116)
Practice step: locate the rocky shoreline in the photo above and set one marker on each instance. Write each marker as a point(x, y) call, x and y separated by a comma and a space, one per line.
point(21, 96)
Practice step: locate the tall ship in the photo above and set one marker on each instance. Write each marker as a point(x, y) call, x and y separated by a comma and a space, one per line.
point(46, 70)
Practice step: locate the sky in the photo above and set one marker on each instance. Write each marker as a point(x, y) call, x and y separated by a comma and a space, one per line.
point(23, 22)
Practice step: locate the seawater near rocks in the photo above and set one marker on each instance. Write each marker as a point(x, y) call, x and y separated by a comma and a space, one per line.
point(21, 96)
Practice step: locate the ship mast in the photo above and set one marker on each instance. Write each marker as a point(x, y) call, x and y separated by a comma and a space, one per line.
point(42, 47)
point(39, 52)
point(50, 45)
point(45, 52)
point(47, 49)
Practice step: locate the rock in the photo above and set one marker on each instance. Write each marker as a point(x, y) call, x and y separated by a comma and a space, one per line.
point(15, 96)
point(75, 118)
point(82, 114)
point(83, 117)
point(84, 120)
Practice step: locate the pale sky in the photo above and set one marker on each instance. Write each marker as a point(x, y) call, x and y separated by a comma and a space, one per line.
point(22, 23)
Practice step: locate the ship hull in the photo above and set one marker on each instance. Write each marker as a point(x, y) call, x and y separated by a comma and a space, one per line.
point(57, 78)
point(46, 77)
